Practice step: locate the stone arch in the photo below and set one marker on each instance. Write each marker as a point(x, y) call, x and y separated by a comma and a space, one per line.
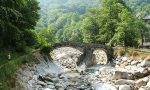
point(87, 57)
point(100, 56)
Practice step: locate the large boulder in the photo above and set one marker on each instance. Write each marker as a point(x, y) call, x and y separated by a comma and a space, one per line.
point(141, 74)
point(124, 59)
point(125, 87)
point(144, 88)
point(145, 63)
point(148, 84)
point(125, 82)
point(41, 83)
point(105, 69)
point(140, 83)
point(102, 86)
point(122, 75)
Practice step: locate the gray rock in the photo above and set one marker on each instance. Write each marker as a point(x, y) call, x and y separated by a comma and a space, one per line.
point(51, 75)
point(145, 63)
point(55, 80)
point(122, 75)
point(47, 89)
point(105, 69)
point(59, 86)
point(141, 74)
point(51, 86)
point(101, 86)
point(50, 83)
point(125, 87)
point(124, 82)
point(139, 65)
point(38, 86)
point(41, 83)
point(134, 62)
point(144, 88)
point(124, 58)
point(140, 83)
point(148, 84)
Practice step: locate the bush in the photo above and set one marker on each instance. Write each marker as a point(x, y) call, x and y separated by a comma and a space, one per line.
point(8, 70)
point(46, 49)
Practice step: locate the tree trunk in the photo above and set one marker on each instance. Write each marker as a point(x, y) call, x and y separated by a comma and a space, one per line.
point(142, 38)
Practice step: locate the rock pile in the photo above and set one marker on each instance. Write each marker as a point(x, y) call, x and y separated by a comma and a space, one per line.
point(66, 57)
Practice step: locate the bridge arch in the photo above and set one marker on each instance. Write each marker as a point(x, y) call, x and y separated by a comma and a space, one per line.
point(88, 56)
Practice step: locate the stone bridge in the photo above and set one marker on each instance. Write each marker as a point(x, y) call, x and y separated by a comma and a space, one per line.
point(87, 57)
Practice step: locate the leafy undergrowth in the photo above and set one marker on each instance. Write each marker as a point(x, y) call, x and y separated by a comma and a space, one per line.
point(8, 68)
point(138, 54)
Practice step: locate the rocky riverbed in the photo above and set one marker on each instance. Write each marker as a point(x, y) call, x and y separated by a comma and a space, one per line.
point(63, 74)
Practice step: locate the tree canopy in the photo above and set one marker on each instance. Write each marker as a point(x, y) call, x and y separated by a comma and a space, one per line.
point(18, 17)
point(111, 22)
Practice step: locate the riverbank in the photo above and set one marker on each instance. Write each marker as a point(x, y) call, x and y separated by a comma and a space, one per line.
point(9, 67)
point(124, 73)
point(36, 71)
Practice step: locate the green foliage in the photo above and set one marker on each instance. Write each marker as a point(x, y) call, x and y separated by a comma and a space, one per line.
point(17, 18)
point(107, 22)
point(66, 16)
point(89, 29)
point(8, 70)
point(47, 37)
point(46, 49)
point(113, 24)
point(139, 8)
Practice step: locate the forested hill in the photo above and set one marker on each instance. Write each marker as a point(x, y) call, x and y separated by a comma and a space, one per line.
point(139, 7)
point(64, 16)
point(53, 10)
point(92, 21)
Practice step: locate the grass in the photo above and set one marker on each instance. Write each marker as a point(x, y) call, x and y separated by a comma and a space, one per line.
point(137, 54)
point(8, 68)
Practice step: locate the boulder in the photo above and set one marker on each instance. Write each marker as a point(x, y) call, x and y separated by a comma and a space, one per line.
point(41, 83)
point(51, 75)
point(47, 89)
point(134, 62)
point(55, 80)
point(124, 82)
point(144, 88)
point(122, 75)
point(49, 83)
point(58, 86)
point(47, 79)
point(124, 59)
point(125, 87)
point(140, 83)
point(148, 68)
point(51, 86)
point(141, 74)
point(148, 84)
point(101, 86)
point(105, 69)
point(145, 63)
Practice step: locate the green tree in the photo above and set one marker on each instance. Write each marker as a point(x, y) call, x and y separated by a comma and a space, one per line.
point(89, 29)
point(117, 25)
point(17, 18)
point(46, 37)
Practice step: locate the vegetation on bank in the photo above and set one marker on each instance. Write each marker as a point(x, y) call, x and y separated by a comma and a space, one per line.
point(17, 21)
point(8, 68)
point(137, 54)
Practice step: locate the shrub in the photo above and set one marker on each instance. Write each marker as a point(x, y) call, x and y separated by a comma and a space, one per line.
point(8, 70)
point(46, 49)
